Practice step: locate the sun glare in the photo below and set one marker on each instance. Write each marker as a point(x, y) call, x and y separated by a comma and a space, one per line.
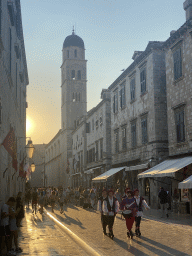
point(29, 125)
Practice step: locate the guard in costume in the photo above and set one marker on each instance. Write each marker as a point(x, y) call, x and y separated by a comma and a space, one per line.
point(129, 209)
point(140, 201)
point(110, 209)
point(99, 208)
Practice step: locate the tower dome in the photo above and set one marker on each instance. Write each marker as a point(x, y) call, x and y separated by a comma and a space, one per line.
point(73, 40)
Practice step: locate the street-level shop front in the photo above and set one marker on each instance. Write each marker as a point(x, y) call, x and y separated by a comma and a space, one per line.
point(167, 174)
point(186, 191)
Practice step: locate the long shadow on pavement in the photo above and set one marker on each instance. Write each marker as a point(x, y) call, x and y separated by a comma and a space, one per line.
point(128, 247)
point(162, 247)
point(68, 220)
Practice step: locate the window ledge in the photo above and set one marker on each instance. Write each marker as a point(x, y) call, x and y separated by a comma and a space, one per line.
point(144, 93)
point(123, 108)
point(179, 79)
point(132, 101)
point(180, 144)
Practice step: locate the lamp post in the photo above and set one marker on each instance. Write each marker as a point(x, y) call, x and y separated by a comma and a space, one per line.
point(29, 149)
point(32, 167)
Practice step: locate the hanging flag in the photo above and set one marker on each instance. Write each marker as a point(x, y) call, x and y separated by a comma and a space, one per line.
point(10, 145)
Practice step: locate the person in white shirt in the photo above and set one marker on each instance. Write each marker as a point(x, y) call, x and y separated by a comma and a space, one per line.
point(110, 209)
point(99, 208)
point(140, 201)
point(5, 214)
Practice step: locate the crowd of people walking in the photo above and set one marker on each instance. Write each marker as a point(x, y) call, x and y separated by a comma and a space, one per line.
point(108, 202)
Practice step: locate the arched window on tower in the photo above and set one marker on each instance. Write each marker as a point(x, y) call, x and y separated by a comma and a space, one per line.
point(79, 75)
point(73, 97)
point(79, 98)
point(73, 74)
point(75, 53)
point(68, 54)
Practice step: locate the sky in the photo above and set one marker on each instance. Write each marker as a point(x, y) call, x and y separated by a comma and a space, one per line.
point(111, 30)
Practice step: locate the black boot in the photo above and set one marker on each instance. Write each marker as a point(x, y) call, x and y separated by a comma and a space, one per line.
point(131, 234)
point(138, 232)
point(104, 232)
point(128, 234)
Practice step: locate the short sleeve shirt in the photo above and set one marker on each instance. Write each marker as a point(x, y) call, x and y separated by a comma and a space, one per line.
point(5, 221)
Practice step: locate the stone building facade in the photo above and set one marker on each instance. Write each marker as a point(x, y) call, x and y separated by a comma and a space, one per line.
point(13, 88)
point(39, 177)
point(139, 114)
point(79, 150)
point(92, 143)
point(178, 49)
point(53, 170)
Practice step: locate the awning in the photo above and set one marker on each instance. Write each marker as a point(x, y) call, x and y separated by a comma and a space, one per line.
point(92, 169)
point(89, 171)
point(137, 167)
point(104, 176)
point(186, 183)
point(167, 168)
point(77, 173)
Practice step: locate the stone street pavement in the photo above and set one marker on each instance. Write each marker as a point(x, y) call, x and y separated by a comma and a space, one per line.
point(39, 236)
point(159, 237)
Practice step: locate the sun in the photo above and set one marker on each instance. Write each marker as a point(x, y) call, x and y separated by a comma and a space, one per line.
point(29, 125)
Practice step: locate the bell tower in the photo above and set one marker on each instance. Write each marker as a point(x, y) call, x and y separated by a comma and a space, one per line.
point(73, 86)
point(73, 95)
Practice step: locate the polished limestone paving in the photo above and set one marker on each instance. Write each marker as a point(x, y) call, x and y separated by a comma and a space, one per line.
point(40, 236)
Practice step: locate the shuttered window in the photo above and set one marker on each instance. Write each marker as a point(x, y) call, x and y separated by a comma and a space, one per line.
point(124, 138)
point(180, 125)
point(177, 58)
point(116, 134)
point(143, 80)
point(133, 135)
point(115, 102)
point(144, 130)
point(122, 96)
point(132, 88)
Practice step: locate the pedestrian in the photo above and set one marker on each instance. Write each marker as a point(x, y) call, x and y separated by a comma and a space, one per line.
point(118, 196)
point(92, 198)
point(28, 197)
point(140, 201)
point(77, 195)
point(5, 228)
point(163, 197)
point(41, 202)
point(99, 208)
point(34, 200)
point(110, 209)
point(62, 197)
point(20, 213)
point(68, 192)
point(129, 208)
point(53, 199)
point(14, 229)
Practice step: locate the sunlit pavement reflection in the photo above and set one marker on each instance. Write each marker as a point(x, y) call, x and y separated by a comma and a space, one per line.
point(40, 236)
